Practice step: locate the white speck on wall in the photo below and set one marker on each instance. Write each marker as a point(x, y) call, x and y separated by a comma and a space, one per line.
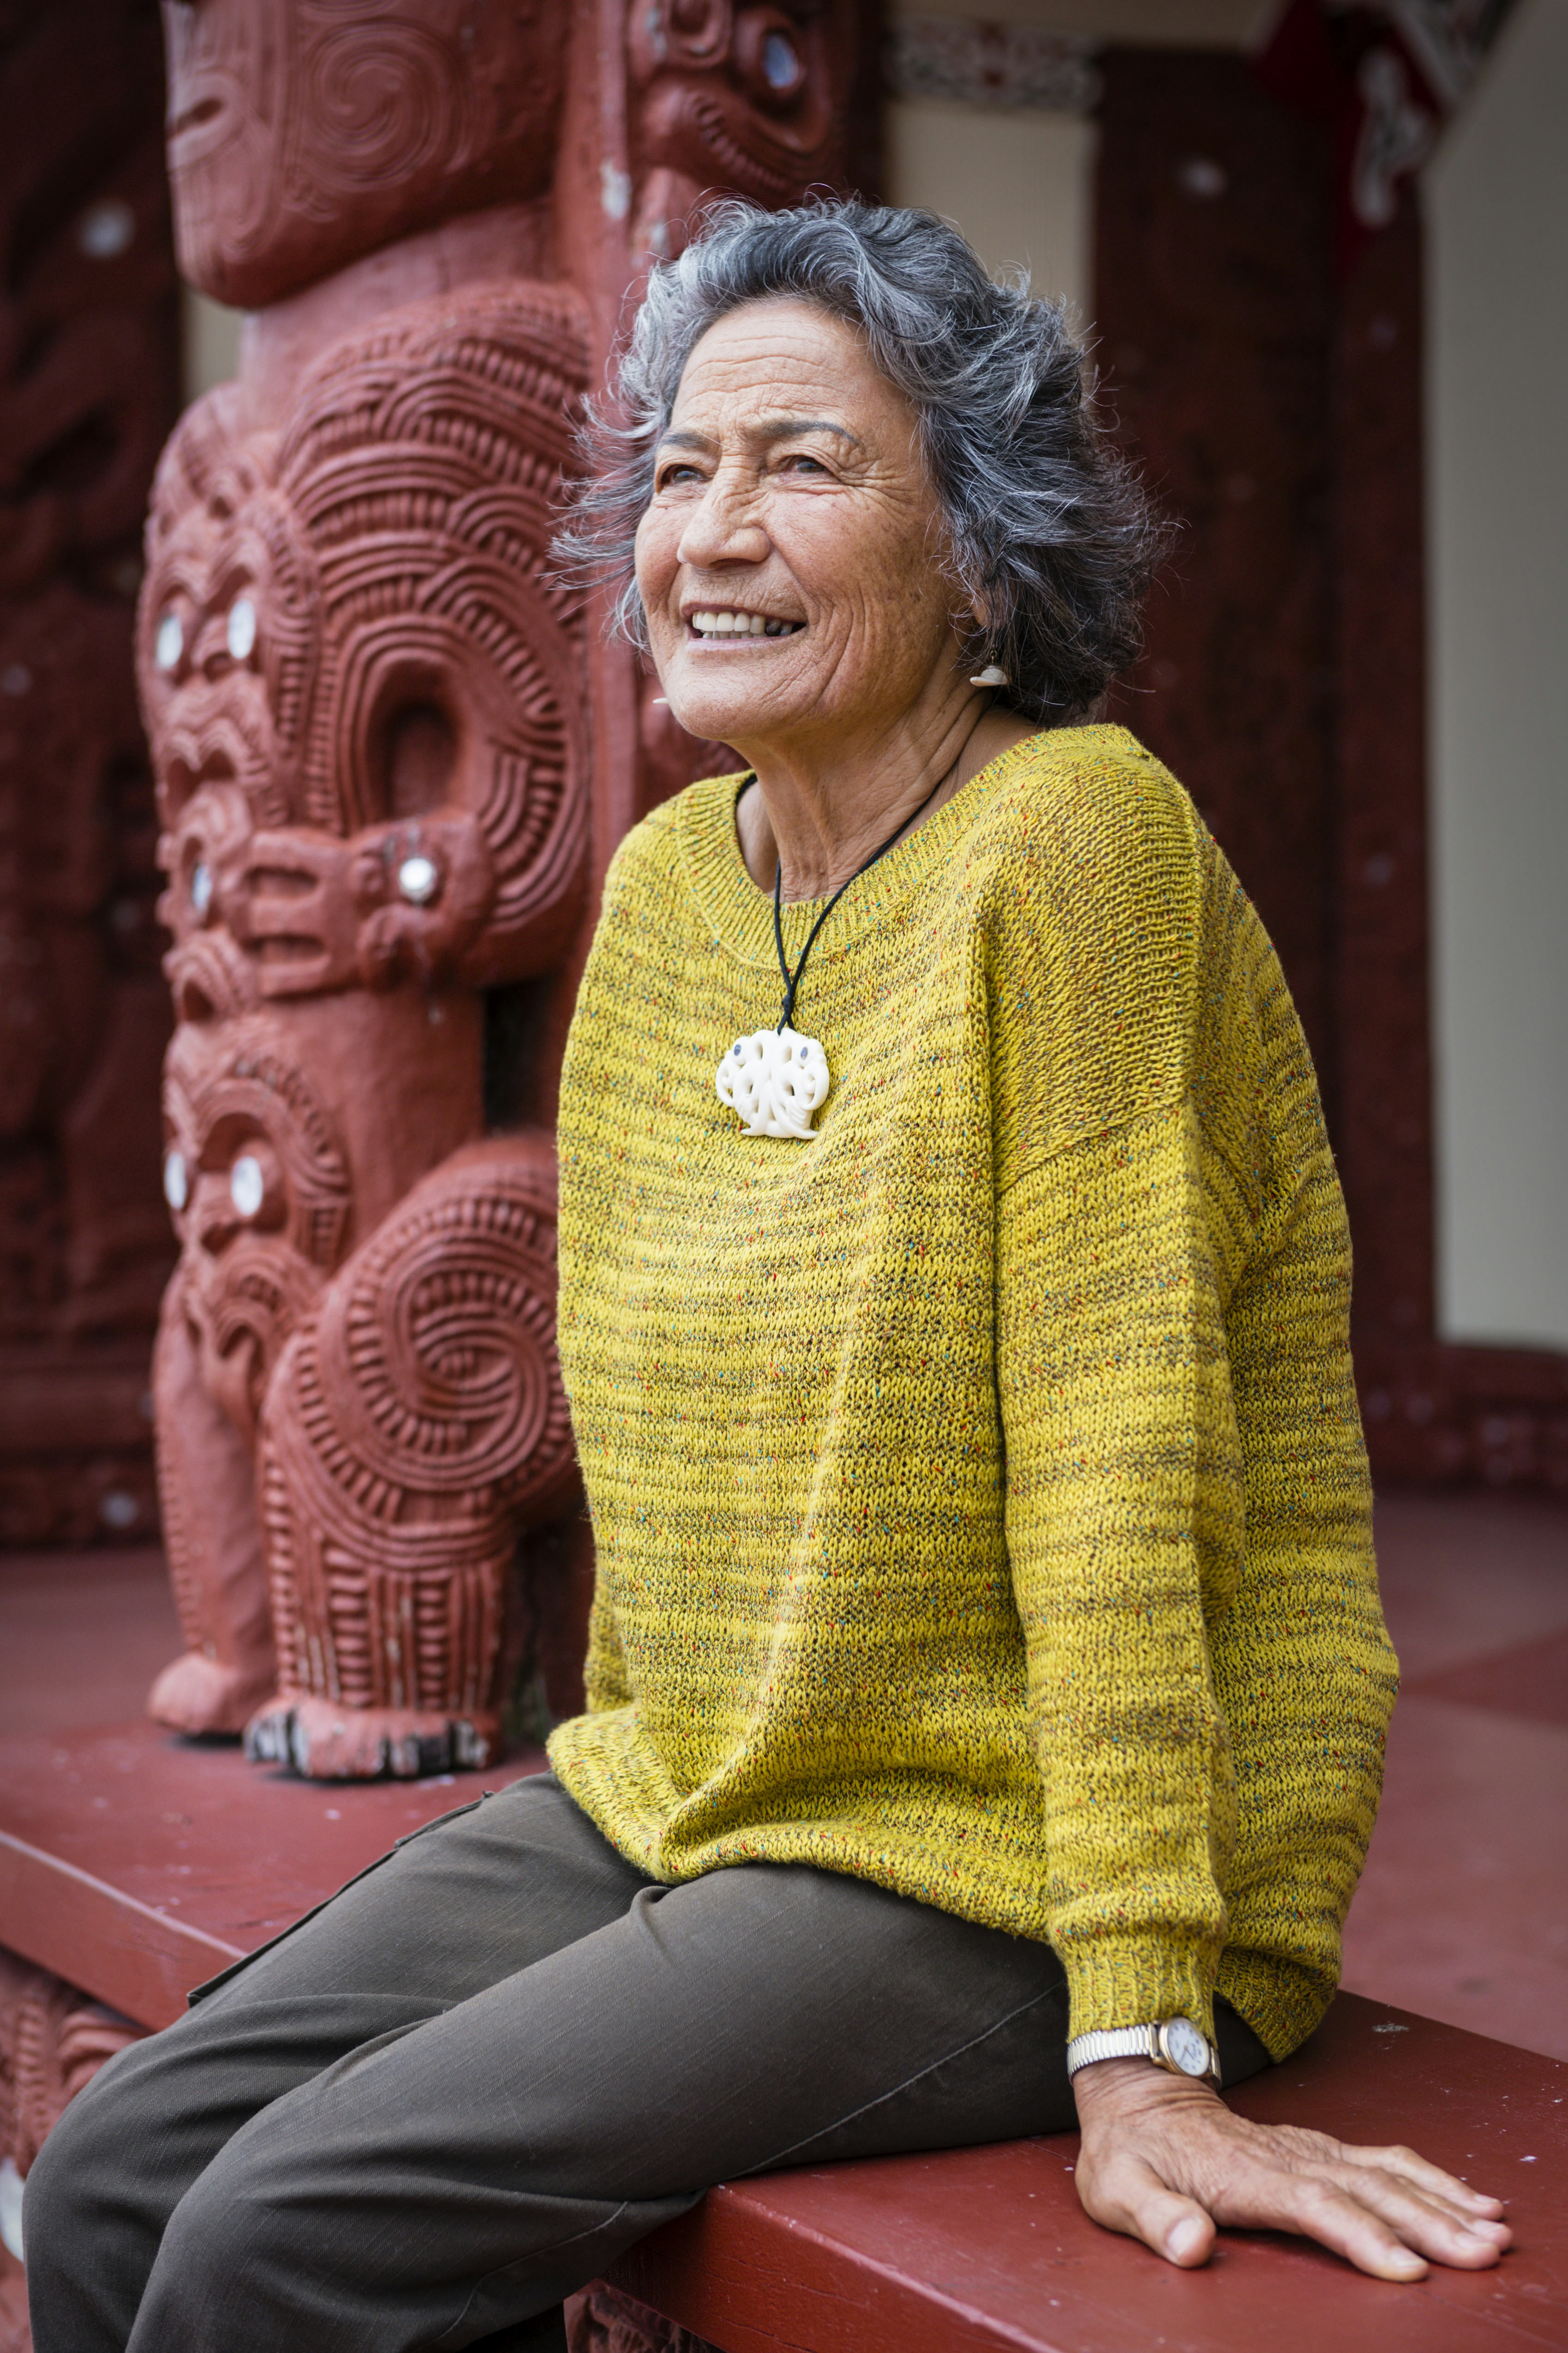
point(1495, 200)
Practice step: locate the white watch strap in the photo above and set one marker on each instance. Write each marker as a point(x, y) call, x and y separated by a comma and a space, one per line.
point(1154, 2041)
point(1112, 2043)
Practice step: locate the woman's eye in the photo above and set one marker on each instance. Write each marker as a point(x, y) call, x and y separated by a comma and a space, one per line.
point(799, 463)
point(676, 478)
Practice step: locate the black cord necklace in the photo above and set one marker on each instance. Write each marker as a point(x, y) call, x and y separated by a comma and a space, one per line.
point(776, 1079)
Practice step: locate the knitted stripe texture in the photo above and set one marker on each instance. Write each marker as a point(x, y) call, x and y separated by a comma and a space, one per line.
point(978, 1489)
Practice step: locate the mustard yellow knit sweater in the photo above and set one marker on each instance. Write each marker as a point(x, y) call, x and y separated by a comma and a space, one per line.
point(978, 1488)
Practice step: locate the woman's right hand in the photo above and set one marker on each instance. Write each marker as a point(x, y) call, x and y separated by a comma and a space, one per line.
point(1165, 2160)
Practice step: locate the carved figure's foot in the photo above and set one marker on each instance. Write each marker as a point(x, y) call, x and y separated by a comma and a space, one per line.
point(326, 1742)
point(195, 1694)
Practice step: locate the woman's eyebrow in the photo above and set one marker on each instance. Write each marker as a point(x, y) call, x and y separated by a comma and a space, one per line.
point(768, 429)
point(784, 429)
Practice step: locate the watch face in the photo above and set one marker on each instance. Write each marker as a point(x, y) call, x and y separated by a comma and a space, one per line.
point(1187, 2046)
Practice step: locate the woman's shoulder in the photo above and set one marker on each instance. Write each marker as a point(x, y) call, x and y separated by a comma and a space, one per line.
point(1091, 809)
point(1088, 873)
point(1086, 852)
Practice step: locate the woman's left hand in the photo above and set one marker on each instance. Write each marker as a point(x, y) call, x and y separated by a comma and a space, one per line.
point(1165, 2159)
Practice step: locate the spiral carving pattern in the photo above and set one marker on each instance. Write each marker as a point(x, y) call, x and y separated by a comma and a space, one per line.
point(440, 1337)
point(747, 100)
point(311, 133)
point(415, 1426)
point(381, 110)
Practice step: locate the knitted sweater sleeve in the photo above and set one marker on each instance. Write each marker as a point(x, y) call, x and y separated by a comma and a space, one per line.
point(1301, 1660)
point(1124, 1532)
point(1188, 1512)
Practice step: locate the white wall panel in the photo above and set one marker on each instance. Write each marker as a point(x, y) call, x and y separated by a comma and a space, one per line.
point(1497, 209)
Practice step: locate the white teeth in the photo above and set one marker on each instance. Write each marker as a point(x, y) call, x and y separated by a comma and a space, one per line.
point(742, 625)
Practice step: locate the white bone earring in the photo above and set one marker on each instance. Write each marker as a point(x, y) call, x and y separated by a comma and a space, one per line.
point(991, 675)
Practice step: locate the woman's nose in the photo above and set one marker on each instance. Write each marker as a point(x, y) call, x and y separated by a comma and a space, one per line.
point(722, 528)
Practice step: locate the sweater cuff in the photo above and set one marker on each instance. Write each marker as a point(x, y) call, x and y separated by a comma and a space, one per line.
point(1138, 1980)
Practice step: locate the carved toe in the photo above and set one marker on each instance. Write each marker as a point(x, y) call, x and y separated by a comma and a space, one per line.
point(325, 1742)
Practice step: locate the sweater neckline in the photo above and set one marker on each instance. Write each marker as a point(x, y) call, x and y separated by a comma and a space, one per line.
point(741, 914)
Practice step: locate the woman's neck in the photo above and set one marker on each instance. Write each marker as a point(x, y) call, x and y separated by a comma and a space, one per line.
point(819, 818)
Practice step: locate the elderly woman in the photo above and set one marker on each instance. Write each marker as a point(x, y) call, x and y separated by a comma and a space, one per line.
point(987, 1685)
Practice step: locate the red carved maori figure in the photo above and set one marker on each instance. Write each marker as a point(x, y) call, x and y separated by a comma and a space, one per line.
point(366, 707)
point(734, 99)
point(373, 716)
point(302, 137)
point(727, 98)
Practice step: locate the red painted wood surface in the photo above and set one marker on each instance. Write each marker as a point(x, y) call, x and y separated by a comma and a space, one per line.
point(989, 2247)
point(134, 1865)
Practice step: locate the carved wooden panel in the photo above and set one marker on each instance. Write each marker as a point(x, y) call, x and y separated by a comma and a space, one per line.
point(729, 98)
point(88, 363)
point(1278, 409)
point(53, 2040)
point(302, 137)
point(1214, 304)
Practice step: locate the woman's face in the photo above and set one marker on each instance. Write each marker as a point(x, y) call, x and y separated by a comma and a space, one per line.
point(790, 561)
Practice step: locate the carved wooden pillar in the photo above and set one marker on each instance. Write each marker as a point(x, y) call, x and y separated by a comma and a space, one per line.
point(1215, 303)
point(1280, 412)
point(393, 760)
point(89, 338)
point(606, 2320)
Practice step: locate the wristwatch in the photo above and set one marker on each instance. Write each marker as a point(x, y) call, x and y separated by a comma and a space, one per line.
point(1174, 2043)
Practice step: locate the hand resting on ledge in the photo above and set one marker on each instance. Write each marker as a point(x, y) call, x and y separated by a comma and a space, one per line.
point(1165, 2159)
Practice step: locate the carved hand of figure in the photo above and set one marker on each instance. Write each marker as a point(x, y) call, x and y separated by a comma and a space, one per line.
point(299, 912)
point(397, 899)
point(426, 887)
point(1165, 2159)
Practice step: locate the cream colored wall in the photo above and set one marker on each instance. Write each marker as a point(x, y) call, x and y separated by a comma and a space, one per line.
point(209, 335)
point(1496, 196)
point(1018, 182)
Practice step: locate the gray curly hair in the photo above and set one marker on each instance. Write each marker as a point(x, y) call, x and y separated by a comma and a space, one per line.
point(1049, 533)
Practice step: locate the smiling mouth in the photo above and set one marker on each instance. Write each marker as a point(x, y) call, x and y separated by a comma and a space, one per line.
point(728, 623)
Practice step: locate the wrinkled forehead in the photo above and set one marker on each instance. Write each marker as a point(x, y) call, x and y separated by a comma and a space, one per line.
point(785, 358)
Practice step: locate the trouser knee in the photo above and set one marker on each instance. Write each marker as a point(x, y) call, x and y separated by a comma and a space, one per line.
point(89, 2144)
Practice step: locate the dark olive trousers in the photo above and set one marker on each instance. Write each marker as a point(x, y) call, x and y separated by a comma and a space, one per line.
point(456, 2092)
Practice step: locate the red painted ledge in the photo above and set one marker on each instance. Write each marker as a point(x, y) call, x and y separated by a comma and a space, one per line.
point(134, 1865)
point(988, 2247)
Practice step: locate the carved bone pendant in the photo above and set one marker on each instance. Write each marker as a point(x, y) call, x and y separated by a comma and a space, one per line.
point(776, 1080)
